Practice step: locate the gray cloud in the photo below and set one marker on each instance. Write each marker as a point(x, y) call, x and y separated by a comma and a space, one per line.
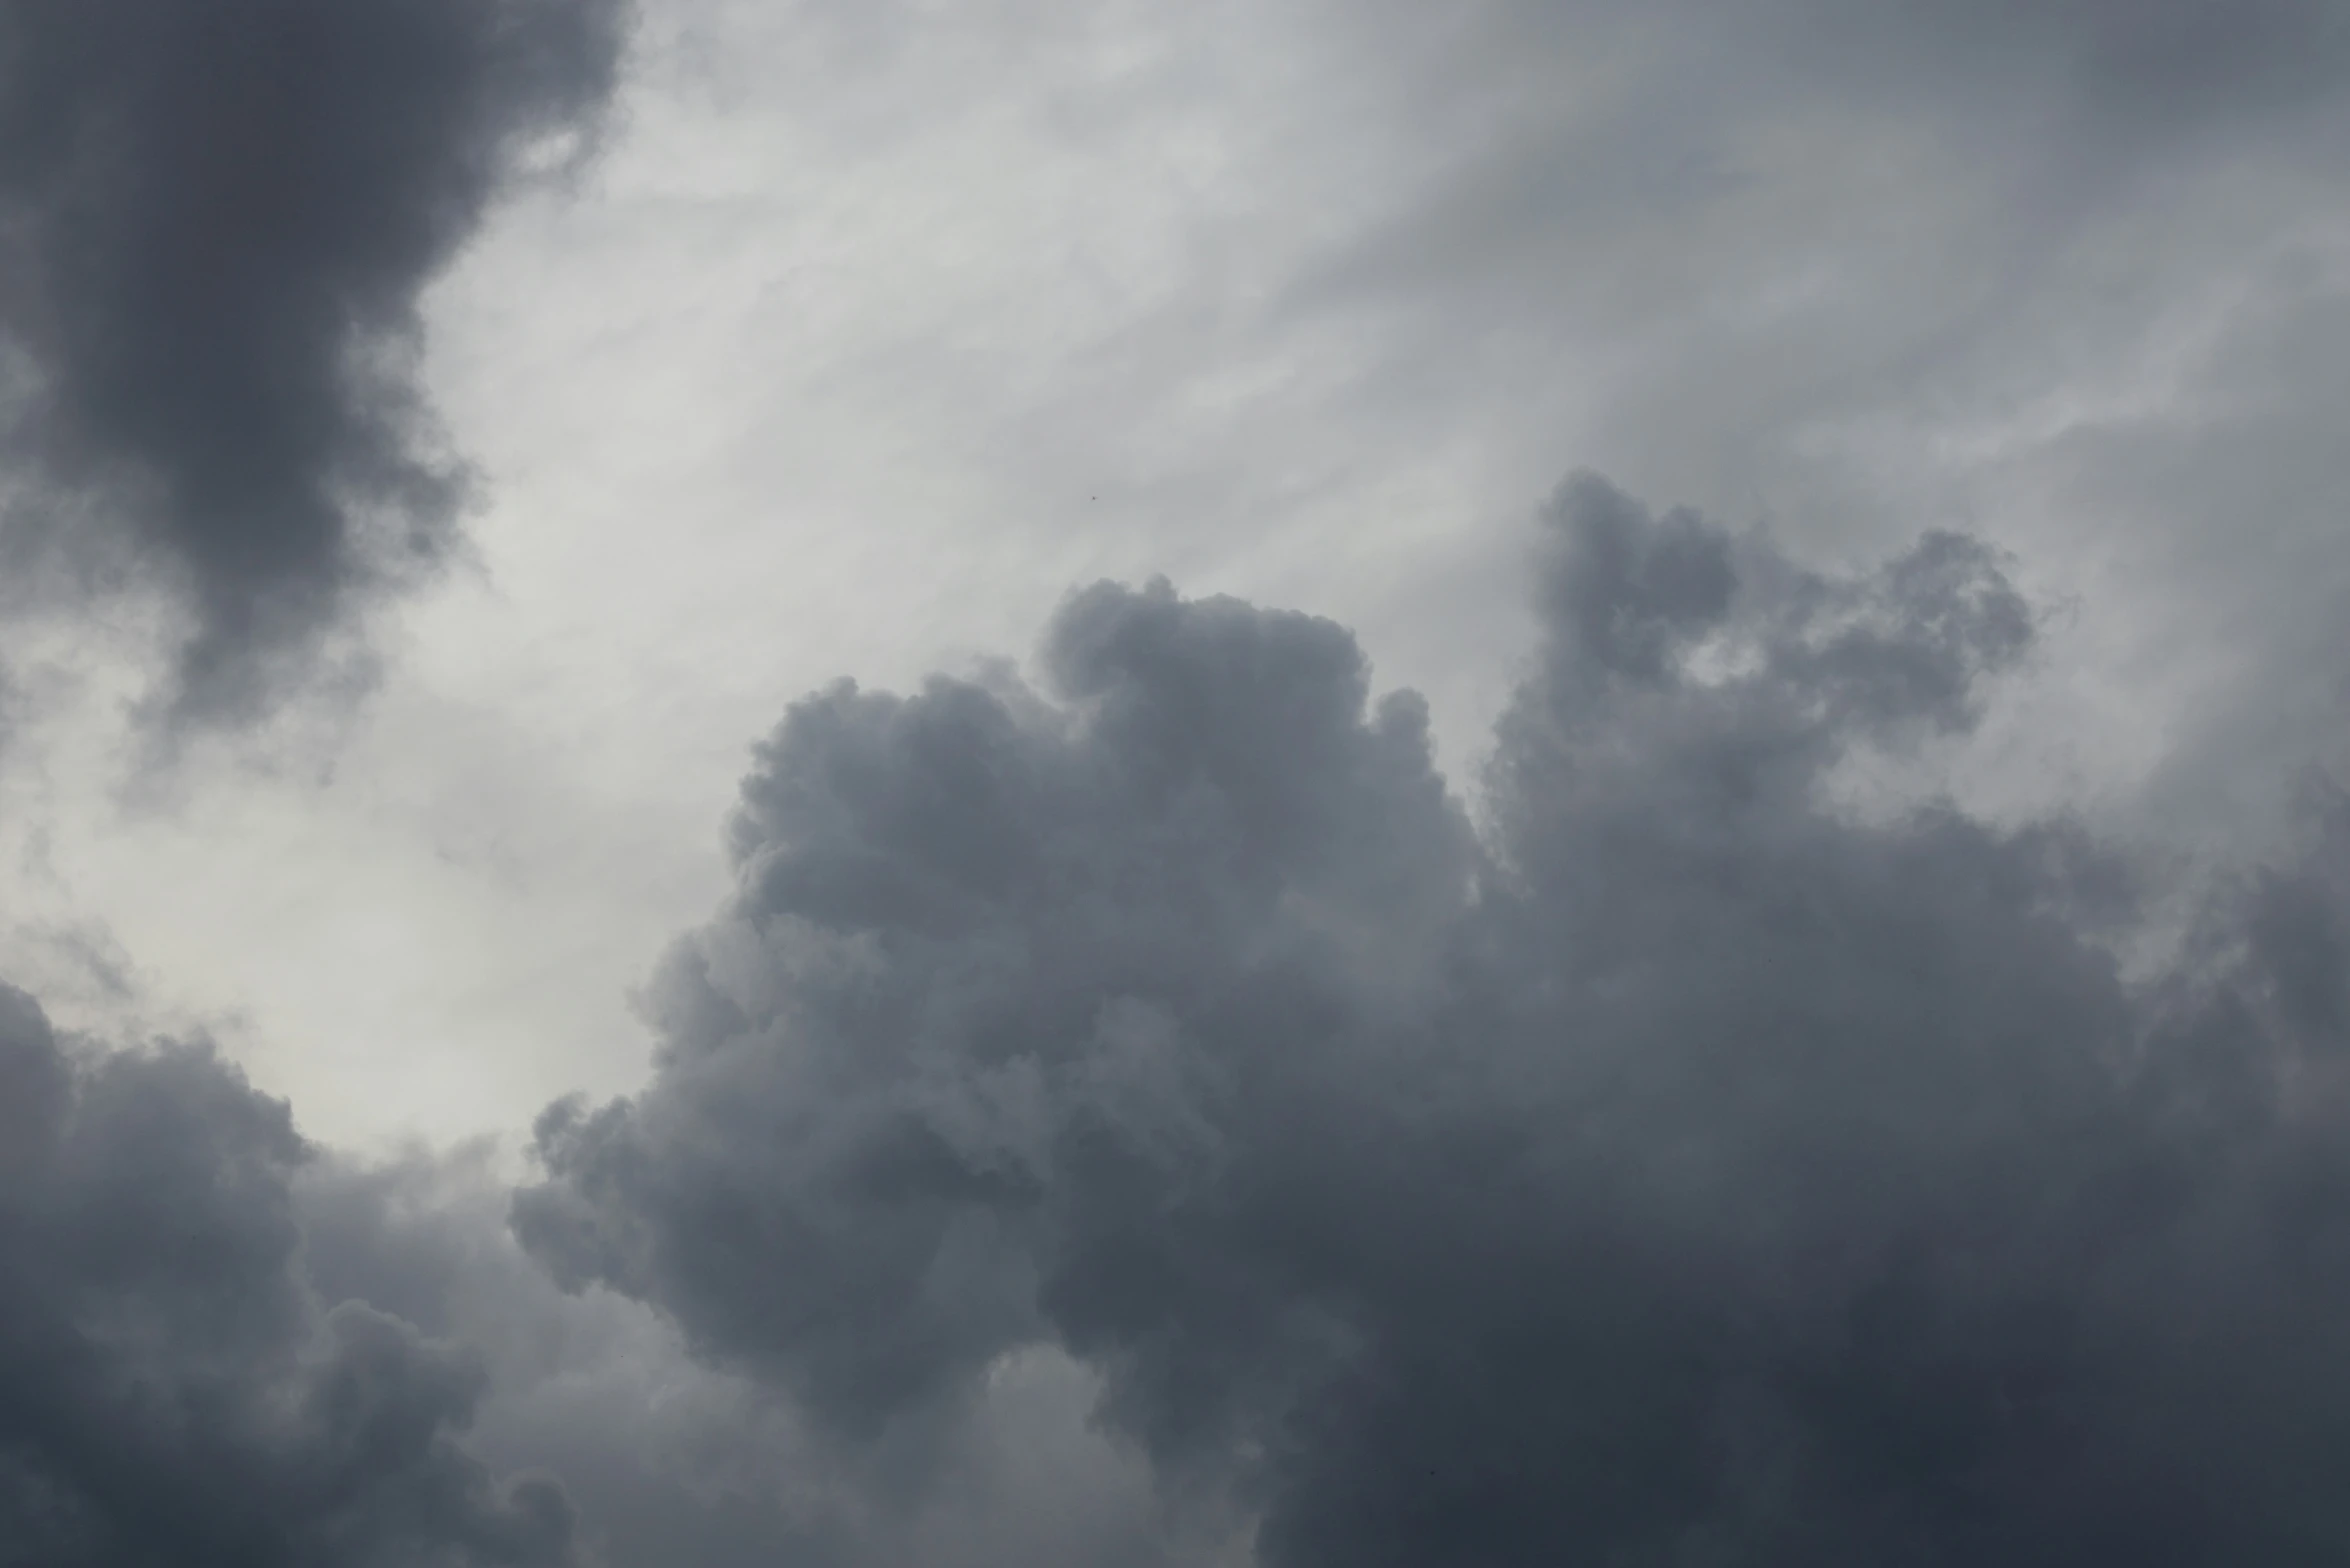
point(216, 219)
point(1677, 1168)
point(671, 1462)
point(1657, 1163)
point(173, 1387)
point(1870, 267)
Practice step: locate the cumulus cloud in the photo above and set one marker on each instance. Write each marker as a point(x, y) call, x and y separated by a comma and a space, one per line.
point(2068, 276)
point(1154, 1096)
point(173, 1387)
point(1149, 1117)
point(669, 1461)
point(215, 220)
point(1668, 1166)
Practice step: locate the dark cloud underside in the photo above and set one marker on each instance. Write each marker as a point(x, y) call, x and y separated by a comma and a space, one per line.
point(1679, 1171)
point(172, 1389)
point(215, 218)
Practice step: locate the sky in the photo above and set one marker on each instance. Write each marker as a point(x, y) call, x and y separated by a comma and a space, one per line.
point(1269, 785)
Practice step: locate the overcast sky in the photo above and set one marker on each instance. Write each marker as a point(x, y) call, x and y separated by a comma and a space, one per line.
point(1852, 497)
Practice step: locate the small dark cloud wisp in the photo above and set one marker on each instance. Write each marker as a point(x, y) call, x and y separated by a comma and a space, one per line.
point(1673, 1168)
point(215, 219)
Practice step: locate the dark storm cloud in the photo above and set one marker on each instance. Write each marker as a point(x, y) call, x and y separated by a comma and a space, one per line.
point(1678, 1170)
point(215, 218)
point(672, 1463)
point(172, 1387)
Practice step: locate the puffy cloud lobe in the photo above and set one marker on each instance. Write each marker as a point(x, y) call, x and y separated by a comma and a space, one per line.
point(977, 935)
point(1681, 1171)
point(172, 1390)
point(670, 1462)
point(215, 219)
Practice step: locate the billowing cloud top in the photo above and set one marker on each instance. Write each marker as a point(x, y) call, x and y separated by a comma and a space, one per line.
point(1685, 1169)
point(215, 217)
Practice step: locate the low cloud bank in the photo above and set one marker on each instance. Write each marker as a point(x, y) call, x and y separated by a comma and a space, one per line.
point(1672, 1167)
point(1148, 1117)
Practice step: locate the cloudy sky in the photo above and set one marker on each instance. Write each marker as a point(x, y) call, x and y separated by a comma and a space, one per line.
point(1297, 784)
